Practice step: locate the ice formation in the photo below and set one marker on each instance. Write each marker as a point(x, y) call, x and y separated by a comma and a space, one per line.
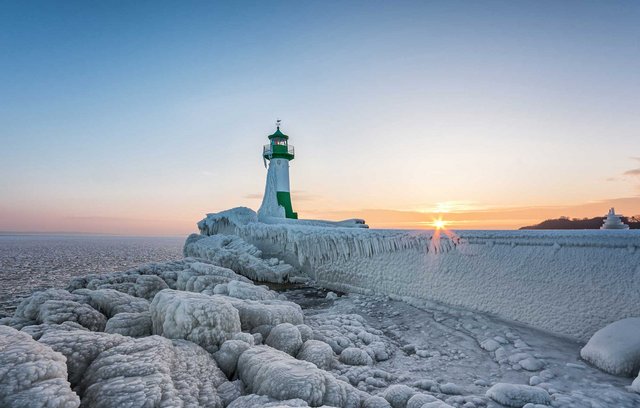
point(517, 395)
point(198, 332)
point(616, 348)
point(32, 374)
point(234, 253)
point(491, 271)
point(205, 320)
point(270, 372)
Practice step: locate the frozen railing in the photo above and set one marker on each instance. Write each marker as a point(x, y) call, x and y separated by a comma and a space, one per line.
point(269, 150)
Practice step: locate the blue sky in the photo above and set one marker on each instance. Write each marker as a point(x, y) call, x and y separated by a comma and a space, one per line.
point(141, 116)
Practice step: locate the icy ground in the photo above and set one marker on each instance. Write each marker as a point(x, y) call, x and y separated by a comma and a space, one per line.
point(198, 332)
point(456, 355)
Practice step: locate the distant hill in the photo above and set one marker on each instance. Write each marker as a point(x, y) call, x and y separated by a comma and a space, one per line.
point(564, 223)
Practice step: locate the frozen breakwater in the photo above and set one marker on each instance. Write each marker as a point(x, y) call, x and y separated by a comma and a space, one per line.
point(200, 331)
point(571, 283)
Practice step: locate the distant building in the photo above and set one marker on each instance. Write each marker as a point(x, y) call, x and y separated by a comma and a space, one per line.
point(613, 221)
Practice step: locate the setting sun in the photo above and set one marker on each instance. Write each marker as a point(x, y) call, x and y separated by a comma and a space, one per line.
point(439, 223)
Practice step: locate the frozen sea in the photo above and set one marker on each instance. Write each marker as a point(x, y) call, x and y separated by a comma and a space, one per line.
point(35, 262)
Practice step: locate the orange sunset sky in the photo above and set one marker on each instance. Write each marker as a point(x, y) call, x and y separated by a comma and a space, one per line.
point(139, 118)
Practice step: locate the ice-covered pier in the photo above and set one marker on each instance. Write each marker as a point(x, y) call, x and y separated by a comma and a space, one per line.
point(571, 283)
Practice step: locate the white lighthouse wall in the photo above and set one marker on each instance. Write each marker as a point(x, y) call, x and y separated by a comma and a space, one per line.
point(282, 174)
point(270, 207)
point(571, 283)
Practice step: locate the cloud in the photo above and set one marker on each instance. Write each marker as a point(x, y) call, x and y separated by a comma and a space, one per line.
point(632, 172)
point(253, 196)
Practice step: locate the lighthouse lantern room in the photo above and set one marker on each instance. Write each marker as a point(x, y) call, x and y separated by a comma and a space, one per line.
point(279, 153)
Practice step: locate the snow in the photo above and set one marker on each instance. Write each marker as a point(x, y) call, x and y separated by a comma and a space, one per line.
point(584, 272)
point(32, 374)
point(615, 348)
point(517, 395)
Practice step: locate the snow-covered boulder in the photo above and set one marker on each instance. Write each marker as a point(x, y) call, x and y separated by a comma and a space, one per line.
point(205, 320)
point(318, 353)
point(270, 372)
point(110, 302)
point(518, 395)
point(228, 355)
point(615, 348)
point(398, 395)
point(285, 337)
point(231, 251)
point(32, 375)
point(355, 356)
point(130, 324)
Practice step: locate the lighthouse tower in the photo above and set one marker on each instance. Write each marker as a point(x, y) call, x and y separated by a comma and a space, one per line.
point(277, 196)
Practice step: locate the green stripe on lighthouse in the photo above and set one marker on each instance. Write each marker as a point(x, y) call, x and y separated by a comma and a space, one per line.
point(284, 199)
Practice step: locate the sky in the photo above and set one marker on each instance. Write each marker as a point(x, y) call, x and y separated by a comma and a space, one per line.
point(140, 117)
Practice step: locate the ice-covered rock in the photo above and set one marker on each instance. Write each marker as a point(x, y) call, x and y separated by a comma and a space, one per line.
point(517, 395)
point(59, 311)
point(110, 302)
point(228, 354)
point(243, 290)
point(152, 371)
point(398, 395)
point(615, 348)
point(131, 283)
point(255, 313)
point(80, 348)
point(285, 337)
point(205, 320)
point(29, 308)
point(270, 372)
point(355, 356)
point(32, 375)
point(130, 324)
point(375, 401)
point(226, 221)
point(259, 401)
point(318, 353)
point(418, 400)
point(231, 251)
point(38, 330)
point(246, 337)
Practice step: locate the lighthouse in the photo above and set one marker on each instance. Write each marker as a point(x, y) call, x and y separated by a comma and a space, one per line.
point(277, 196)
